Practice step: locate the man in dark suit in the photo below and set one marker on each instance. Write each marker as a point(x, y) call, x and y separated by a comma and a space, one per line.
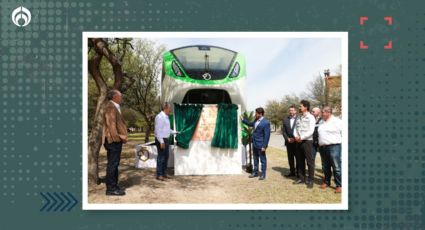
point(260, 140)
point(288, 135)
point(317, 115)
point(115, 134)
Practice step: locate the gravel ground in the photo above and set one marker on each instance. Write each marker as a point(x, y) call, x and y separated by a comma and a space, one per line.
point(142, 187)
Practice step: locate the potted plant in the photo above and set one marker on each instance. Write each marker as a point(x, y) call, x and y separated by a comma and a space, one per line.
point(247, 138)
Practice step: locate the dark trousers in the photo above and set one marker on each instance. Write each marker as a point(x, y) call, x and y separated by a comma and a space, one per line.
point(114, 155)
point(162, 159)
point(304, 154)
point(332, 162)
point(291, 149)
point(259, 156)
point(314, 152)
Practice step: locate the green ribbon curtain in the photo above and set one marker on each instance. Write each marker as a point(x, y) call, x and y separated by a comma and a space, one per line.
point(226, 127)
point(187, 117)
point(171, 137)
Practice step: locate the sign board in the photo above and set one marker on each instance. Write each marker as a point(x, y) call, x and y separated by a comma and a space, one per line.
point(203, 159)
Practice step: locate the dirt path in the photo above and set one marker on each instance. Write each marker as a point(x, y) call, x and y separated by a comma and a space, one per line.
point(142, 187)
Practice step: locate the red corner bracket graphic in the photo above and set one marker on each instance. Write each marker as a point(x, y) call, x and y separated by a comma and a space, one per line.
point(388, 19)
point(389, 45)
point(363, 46)
point(363, 19)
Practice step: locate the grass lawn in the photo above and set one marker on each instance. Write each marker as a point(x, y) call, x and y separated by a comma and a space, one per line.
point(142, 187)
point(140, 137)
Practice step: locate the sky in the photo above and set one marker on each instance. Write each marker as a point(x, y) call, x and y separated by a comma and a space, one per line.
point(275, 66)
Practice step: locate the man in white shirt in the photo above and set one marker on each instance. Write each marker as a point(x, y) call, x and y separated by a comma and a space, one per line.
point(330, 138)
point(162, 142)
point(303, 132)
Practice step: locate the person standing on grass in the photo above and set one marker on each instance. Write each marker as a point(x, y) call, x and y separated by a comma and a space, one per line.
point(115, 135)
point(260, 140)
point(317, 116)
point(288, 135)
point(330, 139)
point(303, 133)
point(162, 142)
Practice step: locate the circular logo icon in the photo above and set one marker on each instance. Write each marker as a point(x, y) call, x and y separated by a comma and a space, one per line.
point(21, 16)
point(206, 76)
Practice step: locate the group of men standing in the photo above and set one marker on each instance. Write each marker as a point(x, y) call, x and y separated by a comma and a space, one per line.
point(115, 135)
point(304, 134)
point(309, 132)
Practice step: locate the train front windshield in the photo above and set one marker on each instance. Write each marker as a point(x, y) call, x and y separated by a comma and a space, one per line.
point(205, 62)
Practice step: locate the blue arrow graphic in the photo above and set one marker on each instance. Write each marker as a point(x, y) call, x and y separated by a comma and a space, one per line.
point(75, 201)
point(60, 199)
point(68, 201)
point(54, 201)
point(46, 204)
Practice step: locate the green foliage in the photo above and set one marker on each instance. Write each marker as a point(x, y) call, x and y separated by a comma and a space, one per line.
point(320, 95)
point(140, 123)
point(130, 116)
point(274, 112)
point(315, 93)
point(145, 66)
point(116, 47)
point(290, 99)
point(246, 130)
point(142, 62)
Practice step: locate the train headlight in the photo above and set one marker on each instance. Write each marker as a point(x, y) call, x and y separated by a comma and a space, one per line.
point(176, 69)
point(235, 70)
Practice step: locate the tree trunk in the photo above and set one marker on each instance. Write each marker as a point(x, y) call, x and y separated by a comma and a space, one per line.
point(148, 132)
point(95, 143)
point(95, 137)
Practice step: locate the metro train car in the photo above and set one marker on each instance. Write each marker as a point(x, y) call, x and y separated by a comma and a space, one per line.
point(203, 74)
